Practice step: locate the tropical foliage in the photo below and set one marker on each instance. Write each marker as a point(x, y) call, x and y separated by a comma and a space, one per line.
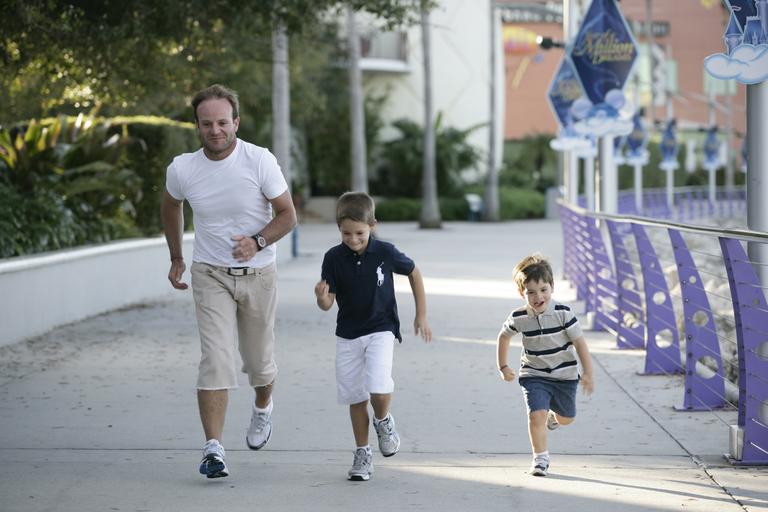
point(400, 172)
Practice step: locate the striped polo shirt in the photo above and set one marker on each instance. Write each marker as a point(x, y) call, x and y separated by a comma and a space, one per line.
point(548, 349)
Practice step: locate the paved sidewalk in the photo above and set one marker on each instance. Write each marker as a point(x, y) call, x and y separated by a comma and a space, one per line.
point(101, 415)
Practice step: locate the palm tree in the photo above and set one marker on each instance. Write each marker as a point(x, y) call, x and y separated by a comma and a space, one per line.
point(356, 109)
point(281, 93)
point(491, 210)
point(430, 208)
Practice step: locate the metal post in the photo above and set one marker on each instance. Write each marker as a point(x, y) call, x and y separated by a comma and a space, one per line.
point(670, 191)
point(712, 170)
point(608, 180)
point(589, 182)
point(639, 188)
point(670, 173)
point(757, 174)
point(730, 180)
point(570, 160)
point(573, 177)
point(649, 46)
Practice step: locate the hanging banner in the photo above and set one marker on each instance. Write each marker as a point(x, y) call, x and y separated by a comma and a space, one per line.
point(563, 91)
point(746, 44)
point(603, 55)
point(637, 141)
point(711, 149)
point(669, 148)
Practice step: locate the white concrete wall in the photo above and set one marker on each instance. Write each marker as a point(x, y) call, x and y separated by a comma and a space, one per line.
point(460, 71)
point(38, 293)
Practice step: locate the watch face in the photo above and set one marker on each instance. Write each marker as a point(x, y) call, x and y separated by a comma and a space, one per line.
point(261, 241)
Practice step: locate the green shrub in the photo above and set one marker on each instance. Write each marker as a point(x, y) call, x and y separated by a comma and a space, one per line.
point(401, 170)
point(519, 203)
point(159, 141)
point(529, 163)
point(400, 209)
point(514, 203)
point(71, 181)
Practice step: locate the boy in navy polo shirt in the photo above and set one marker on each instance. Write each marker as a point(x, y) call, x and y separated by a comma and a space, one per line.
point(357, 275)
point(553, 347)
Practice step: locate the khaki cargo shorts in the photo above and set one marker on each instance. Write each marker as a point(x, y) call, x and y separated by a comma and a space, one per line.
point(235, 310)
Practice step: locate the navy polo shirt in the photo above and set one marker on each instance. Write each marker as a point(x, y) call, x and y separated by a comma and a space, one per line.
point(364, 288)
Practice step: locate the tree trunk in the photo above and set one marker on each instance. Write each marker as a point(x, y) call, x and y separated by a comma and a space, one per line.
point(491, 199)
point(430, 207)
point(356, 108)
point(281, 112)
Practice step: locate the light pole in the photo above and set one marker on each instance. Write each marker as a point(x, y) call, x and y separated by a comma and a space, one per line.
point(757, 174)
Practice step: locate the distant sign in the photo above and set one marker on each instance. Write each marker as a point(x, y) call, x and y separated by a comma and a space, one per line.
point(604, 50)
point(658, 28)
point(550, 12)
point(519, 41)
point(564, 90)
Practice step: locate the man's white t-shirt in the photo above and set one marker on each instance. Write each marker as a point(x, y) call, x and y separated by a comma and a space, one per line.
point(228, 197)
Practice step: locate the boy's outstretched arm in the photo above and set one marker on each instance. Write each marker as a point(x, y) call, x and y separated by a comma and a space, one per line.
point(587, 382)
point(324, 297)
point(502, 357)
point(420, 324)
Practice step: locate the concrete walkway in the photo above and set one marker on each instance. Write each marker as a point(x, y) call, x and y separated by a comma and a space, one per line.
point(101, 415)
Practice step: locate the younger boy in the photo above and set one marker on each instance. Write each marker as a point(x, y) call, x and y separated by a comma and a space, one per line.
point(552, 340)
point(357, 274)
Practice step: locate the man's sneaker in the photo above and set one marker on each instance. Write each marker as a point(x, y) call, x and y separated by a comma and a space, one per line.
point(540, 466)
point(389, 441)
point(552, 423)
point(362, 467)
point(213, 464)
point(260, 429)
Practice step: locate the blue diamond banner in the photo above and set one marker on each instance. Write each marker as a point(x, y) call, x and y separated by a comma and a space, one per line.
point(604, 50)
point(564, 90)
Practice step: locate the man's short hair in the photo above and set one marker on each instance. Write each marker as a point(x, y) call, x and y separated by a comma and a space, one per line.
point(217, 91)
point(356, 206)
point(533, 268)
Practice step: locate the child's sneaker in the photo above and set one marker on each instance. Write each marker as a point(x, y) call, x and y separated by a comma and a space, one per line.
point(260, 429)
point(552, 423)
point(362, 466)
point(213, 464)
point(389, 441)
point(540, 466)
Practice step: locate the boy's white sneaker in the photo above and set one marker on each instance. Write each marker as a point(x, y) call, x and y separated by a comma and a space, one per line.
point(540, 466)
point(552, 423)
point(259, 430)
point(362, 466)
point(389, 441)
point(213, 464)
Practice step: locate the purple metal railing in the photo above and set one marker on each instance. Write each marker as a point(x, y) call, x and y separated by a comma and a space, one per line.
point(704, 389)
point(691, 203)
point(751, 313)
point(631, 327)
point(634, 302)
point(662, 341)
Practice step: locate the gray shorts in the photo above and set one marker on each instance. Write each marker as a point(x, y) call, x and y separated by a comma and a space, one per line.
point(235, 311)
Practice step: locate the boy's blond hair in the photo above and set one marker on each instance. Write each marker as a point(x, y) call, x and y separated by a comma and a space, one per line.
point(356, 206)
point(533, 268)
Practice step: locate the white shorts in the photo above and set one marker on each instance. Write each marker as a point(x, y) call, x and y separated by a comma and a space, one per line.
point(364, 366)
